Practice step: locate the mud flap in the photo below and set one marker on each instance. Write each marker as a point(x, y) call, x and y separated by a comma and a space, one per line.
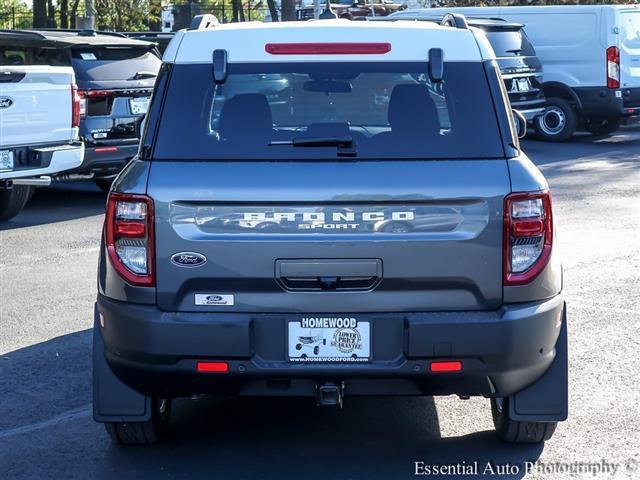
point(546, 400)
point(113, 401)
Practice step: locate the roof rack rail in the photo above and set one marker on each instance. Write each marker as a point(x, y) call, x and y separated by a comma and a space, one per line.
point(83, 32)
point(23, 32)
point(455, 20)
point(204, 22)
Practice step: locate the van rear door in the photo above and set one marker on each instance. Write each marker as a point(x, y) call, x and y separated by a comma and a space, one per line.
point(629, 48)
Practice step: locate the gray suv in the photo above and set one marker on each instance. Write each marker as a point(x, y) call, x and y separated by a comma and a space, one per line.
point(330, 219)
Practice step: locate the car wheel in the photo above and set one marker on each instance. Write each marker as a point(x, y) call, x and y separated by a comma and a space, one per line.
point(558, 122)
point(13, 200)
point(602, 127)
point(103, 184)
point(512, 431)
point(142, 433)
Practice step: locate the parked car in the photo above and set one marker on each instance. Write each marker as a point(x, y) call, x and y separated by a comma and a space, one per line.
point(591, 60)
point(161, 39)
point(115, 77)
point(354, 9)
point(39, 117)
point(520, 67)
point(197, 296)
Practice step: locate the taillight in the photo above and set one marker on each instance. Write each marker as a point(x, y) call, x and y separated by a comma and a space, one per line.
point(613, 67)
point(75, 106)
point(96, 102)
point(528, 236)
point(129, 237)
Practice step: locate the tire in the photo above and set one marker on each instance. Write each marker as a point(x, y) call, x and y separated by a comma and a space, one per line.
point(142, 433)
point(512, 431)
point(103, 184)
point(603, 127)
point(13, 200)
point(558, 122)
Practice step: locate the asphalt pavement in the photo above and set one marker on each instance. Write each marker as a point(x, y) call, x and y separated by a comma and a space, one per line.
point(48, 259)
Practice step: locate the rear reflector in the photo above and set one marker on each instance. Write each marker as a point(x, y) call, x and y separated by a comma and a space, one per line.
point(106, 149)
point(446, 366)
point(327, 48)
point(213, 367)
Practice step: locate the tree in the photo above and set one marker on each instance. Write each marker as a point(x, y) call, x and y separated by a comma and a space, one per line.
point(288, 10)
point(39, 13)
point(273, 11)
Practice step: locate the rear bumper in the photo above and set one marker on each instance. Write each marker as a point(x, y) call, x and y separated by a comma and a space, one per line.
point(46, 160)
point(502, 351)
point(530, 114)
point(601, 102)
point(106, 160)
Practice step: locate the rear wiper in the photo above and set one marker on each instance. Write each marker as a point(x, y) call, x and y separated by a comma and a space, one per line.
point(140, 75)
point(344, 144)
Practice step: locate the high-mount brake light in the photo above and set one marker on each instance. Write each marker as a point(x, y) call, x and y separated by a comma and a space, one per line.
point(129, 237)
point(528, 236)
point(327, 48)
point(613, 67)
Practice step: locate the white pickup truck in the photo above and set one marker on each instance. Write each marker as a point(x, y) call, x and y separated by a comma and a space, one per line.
point(39, 116)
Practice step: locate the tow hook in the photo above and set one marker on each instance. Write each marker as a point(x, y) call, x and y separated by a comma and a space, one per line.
point(330, 393)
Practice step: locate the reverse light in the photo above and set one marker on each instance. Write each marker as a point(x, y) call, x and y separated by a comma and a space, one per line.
point(327, 48)
point(447, 366)
point(212, 367)
point(129, 237)
point(613, 67)
point(528, 236)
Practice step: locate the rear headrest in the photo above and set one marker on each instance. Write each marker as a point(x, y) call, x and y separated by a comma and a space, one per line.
point(246, 115)
point(412, 110)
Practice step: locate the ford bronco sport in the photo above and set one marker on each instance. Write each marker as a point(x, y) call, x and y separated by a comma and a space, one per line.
point(330, 219)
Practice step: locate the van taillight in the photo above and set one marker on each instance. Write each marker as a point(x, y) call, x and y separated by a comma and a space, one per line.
point(528, 236)
point(129, 237)
point(75, 106)
point(613, 67)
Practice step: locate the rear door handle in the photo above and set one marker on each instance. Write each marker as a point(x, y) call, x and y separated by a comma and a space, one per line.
point(334, 274)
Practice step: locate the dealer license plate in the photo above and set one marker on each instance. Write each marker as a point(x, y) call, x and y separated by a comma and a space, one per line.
point(521, 85)
point(329, 339)
point(6, 160)
point(139, 105)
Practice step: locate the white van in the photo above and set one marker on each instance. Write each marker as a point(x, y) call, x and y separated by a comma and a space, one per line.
point(591, 60)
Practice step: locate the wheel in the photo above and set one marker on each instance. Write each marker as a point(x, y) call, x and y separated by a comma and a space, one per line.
point(518, 432)
point(103, 183)
point(298, 346)
point(142, 433)
point(558, 122)
point(602, 127)
point(13, 200)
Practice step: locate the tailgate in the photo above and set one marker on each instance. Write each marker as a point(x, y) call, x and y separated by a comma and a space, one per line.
point(329, 237)
point(630, 49)
point(36, 105)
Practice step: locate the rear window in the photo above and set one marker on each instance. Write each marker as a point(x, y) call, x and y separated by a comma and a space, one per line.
point(510, 43)
point(14, 55)
point(113, 63)
point(630, 26)
point(381, 110)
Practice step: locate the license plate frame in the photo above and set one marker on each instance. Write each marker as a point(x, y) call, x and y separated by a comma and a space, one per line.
point(343, 340)
point(6, 160)
point(139, 105)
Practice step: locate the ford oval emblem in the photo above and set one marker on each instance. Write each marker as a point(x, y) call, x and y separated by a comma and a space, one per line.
point(188, 259)
point(5, 102)
point(214, 298)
